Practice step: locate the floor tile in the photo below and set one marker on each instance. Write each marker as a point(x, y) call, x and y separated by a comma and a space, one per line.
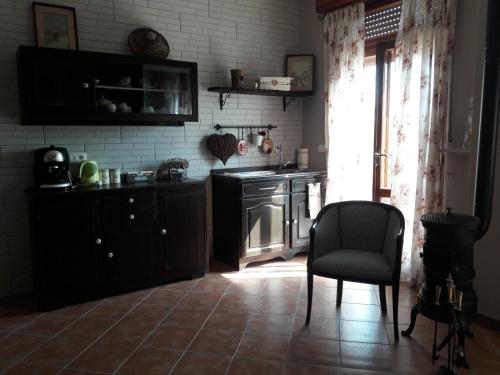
point(78, 310)
point(367, 297)
point(207, 285)
point(87, 328)
point(277, 305)
point(200, 300)
point(185, 316)
point(354, 371)
point(272, 324)
point(320, 293)
point(70, 371)
point(236, 320)
point(185, 285)
point(251, 366)
point(126, 331)
point(421, 335)
point(404, 317)
point(170, 337)
point(247, 287)
point(149, 361)
point(47, 325)
point(165, 296)
point(264, 347)
point(368, 332)
point(58, 352)
point(302, 369)
point(18, 346)
point(318, 328)
point(13, 320)
point(109, 310)
point(24, 369)
point(314, 351)
point(325, 282)
point(321, 309)
point(103, 356)
point(359, 286)
point(373, 357)
point(282, 287)
point(216, 341)
point(364, 313)
point(240, 302)
point(202, 363)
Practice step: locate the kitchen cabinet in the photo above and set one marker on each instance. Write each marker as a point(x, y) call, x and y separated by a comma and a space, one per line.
point(260, 218)
point(100, 241)
point(265, 225)
point(182, 231)
point(54, 85)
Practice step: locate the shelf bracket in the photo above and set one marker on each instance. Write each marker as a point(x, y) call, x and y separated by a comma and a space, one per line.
point(223, 96)
point(286, 103)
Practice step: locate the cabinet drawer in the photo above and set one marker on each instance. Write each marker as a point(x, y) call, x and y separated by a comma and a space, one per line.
point(300, 185)
point(265, 188)
point(128, 209)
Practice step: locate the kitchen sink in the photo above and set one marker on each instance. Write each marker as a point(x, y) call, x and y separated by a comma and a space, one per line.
point(250, 174)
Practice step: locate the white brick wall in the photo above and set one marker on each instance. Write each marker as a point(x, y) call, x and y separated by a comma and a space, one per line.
point(218, 34)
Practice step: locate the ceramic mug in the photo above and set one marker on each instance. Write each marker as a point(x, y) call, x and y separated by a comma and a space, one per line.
point(257, 139)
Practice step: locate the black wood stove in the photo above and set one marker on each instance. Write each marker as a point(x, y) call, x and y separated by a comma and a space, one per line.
point(448, 259)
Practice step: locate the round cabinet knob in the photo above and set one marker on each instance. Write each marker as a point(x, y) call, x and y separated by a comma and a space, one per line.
point(163, 232)
point(287, 222)
point(98, 241)
point(110, 255)
point(85, 85)
point(131, 200)
point(131, 217)
point(295, 221)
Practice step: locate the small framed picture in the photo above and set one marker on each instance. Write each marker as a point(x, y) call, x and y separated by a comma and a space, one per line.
point(301, 69)
point(55, 26)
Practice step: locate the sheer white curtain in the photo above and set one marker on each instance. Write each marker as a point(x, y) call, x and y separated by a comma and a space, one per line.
point(419, 116)
point(349, 139)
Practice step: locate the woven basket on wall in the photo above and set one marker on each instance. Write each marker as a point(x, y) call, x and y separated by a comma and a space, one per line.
point(145, 42)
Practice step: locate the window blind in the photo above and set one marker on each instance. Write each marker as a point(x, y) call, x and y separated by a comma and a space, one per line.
point(382, 22)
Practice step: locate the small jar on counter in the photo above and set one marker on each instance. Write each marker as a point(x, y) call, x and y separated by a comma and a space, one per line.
point(303, 158)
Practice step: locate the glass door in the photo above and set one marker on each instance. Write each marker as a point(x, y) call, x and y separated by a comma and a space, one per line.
point(167, 90)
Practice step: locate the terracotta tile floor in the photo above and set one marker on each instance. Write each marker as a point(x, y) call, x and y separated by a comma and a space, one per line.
point(249, 322)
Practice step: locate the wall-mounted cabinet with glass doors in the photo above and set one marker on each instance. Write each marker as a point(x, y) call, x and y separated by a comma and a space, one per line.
point(70, 87)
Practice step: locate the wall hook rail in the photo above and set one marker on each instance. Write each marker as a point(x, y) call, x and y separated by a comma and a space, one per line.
point(268, 127)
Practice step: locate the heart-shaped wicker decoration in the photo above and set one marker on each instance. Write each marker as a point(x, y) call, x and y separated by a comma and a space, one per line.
point(222, 146)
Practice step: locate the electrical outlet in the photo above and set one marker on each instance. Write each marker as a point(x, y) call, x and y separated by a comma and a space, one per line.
point(321, 148)
point(77, 157)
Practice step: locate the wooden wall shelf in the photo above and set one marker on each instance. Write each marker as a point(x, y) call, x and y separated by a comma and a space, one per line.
point(288, 96)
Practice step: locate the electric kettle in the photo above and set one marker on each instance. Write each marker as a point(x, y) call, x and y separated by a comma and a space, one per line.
point(88, 173)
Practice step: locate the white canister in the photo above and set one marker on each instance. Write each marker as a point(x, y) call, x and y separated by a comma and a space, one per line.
point(104, 174)
point(115, 176)
point(303, 158)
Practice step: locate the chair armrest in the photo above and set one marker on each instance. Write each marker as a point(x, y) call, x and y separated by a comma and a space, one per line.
point(323, 235)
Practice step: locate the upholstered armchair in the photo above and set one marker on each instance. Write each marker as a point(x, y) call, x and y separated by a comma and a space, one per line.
point(359, 241)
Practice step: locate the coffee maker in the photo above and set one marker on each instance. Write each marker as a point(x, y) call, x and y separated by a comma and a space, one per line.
point(51, 168)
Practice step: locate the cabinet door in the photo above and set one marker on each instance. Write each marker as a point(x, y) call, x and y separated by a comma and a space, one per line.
point(300, 222)
point(55, 83)
point(183, 229)
point(265, 225)
point(127, 256)
point(64, 251)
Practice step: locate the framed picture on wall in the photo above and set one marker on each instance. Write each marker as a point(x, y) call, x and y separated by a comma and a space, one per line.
point(55, 26)
point(301, 69)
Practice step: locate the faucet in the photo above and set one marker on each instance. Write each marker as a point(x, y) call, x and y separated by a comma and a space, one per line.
point(281, 164)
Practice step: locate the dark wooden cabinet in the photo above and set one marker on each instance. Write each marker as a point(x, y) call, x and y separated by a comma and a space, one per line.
point(96, 242)
point(128, 258)
point(182, 246)
point(265, 224)
point(261, 218)
point(58, 86)
point(64, 249)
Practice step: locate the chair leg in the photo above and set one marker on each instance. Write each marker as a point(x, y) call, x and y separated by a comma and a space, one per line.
point(383, 299)
point(310, 278)
point(395, 301)
point(340, 285)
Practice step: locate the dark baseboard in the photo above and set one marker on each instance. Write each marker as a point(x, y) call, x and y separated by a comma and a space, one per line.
point(488, 322)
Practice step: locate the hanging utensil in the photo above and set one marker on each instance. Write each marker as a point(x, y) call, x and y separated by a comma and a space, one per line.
point(267, 144)
point(242, 146)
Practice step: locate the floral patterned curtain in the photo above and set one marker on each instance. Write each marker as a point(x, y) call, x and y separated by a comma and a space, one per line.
point(349, 140)
point(419, 114)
